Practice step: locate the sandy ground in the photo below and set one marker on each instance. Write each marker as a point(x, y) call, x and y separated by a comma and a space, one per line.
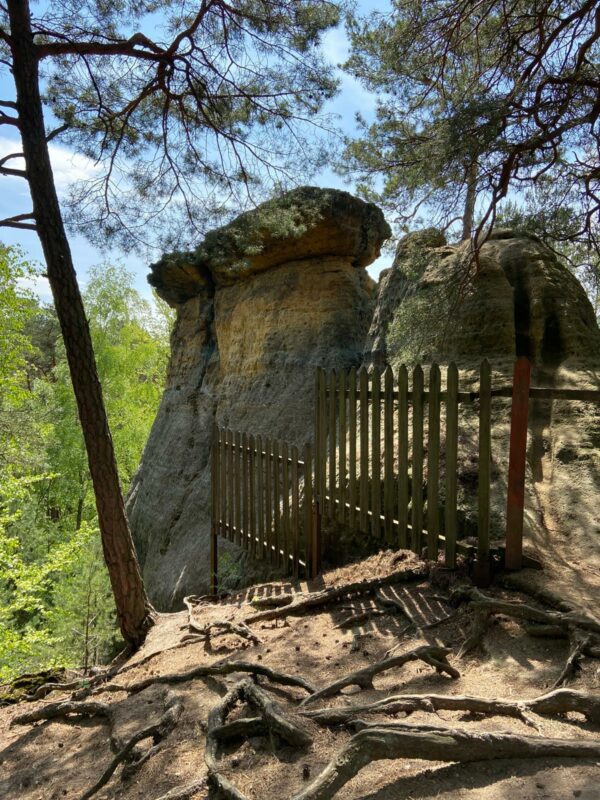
point(61, 759)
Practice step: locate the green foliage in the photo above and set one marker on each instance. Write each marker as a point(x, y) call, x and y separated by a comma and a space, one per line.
point(476, 100)
point(56, 604)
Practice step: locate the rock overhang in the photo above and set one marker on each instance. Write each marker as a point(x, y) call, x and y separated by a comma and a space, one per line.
point(305, 223)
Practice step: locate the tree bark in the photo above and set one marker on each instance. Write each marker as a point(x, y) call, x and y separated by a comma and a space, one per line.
point(469, 209)
point(135, 614)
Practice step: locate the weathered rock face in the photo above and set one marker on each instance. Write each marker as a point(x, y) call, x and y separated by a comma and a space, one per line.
point(435, 304)
point(260, 304)
point(521, 301)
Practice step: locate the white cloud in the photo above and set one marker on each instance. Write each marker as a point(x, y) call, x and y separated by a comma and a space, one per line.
point(67, 166)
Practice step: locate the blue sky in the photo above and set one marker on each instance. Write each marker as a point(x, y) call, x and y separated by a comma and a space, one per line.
point(69, 167)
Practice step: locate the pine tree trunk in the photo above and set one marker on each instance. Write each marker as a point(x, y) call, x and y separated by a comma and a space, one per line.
point(134, 611)
point(469, 210)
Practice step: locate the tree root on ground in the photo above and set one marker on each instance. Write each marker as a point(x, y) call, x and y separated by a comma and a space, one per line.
point(439, 744)
point(556, 703)
point(219, 626)
point(185, 792)
point(124, 751)
point(307, 602)
point(433, 655)
point(362, 616)
point(582, 629)
point(157, 731)
point(224, 668)
point(400, 605)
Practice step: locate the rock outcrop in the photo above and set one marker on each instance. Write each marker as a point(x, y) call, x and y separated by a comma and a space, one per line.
point(435, 304)
point(260, 303)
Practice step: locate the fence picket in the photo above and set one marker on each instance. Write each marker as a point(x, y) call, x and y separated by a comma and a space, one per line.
point(285, 506)
point(417, 456)
point(260, 497)
point(331, 426)
point(245, 491)
point(251, 495)
point(223, 482)
point(352, 448)
point(433, 464)
point(230, 509)
point(342, 434)
point(237, 489)
point(268, 501)
point(485, 460)
point(214, 512)
point(388, 453)
point(403, 457)
point(295, 511)
point(376, 452)
point(321, 453)
point(276, 503)
point(450, 519)
point(363, 381)
point(308, 509)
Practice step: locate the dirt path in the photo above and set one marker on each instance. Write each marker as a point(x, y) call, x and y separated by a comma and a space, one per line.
point(63, 758)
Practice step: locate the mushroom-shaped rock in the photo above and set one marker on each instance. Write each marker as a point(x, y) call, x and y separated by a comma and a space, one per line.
point(305, 223)
point(260, 303)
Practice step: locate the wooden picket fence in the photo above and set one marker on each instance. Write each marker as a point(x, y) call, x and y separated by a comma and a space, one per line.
point(377, 455)
point(371, 428)
point(262, 501)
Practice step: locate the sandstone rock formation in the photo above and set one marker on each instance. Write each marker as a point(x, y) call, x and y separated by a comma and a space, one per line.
point(260, 303)
point(434, 304)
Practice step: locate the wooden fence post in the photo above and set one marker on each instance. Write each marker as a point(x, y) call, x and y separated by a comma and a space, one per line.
point(515, 503)
point(482, 577)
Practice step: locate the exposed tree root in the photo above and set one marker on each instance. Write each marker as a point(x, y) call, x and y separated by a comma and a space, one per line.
point(441, 744)
point(218, 627)
point(433, 655)
point(566, 620)
point(157, 731)
point(303, 602)
point(580, 628)
point(185, 792)
point(272, 601)
point(64, 709)
point(399, 604)
point(225, 668)
point(579, 643)
point(554, 703)
point(358, 619)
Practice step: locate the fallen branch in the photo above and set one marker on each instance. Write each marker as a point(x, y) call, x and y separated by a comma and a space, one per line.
point(302, 603)
point(559, 702)
point(374, 744)
point(225, 668)
point(157, 731)
point(433, 655)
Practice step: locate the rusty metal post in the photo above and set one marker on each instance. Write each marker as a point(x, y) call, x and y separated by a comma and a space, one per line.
point(515, 503)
